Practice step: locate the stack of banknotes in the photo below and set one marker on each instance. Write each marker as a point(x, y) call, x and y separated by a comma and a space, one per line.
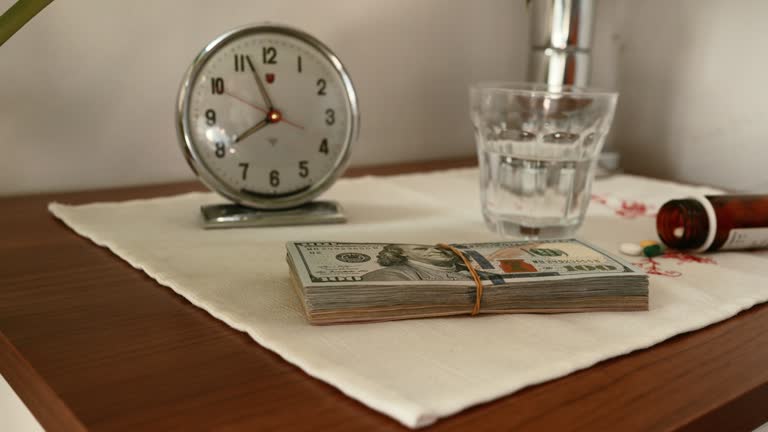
point(357, 282)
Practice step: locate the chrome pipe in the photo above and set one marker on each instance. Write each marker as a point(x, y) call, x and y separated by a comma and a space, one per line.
point(560, 39)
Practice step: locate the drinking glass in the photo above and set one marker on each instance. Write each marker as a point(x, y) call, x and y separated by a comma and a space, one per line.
point(538, 146)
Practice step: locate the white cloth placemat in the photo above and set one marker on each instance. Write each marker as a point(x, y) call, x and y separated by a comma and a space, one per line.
point(418, 371)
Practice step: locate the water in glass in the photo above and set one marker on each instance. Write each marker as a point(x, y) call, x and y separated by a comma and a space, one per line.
point(537, 149)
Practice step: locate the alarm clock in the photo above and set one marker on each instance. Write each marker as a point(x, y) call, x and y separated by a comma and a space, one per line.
point(266, 117)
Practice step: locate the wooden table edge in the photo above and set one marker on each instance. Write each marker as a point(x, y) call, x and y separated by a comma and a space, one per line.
point(46, 406)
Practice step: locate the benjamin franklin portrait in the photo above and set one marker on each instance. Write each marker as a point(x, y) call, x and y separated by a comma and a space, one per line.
point(411, 262)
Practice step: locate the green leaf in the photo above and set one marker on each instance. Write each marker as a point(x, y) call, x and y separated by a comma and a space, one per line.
point(17, 15)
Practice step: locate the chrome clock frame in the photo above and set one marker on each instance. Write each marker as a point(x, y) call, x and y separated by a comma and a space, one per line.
point(194, 159)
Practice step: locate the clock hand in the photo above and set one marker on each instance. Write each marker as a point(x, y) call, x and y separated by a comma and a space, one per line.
point(254, 106)
point(252, 129)
point(265, 111)
point(260, 84)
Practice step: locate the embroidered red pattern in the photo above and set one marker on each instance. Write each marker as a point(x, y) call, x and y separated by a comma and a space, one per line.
point(653, 266)
point(626, 209)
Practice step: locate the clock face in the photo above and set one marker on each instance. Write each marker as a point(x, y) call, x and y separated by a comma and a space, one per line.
point(268, 115)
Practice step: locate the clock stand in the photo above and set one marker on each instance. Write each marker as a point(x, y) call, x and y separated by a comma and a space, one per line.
point(236, 216)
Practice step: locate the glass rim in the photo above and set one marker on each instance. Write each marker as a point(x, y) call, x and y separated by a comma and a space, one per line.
point(541, 89)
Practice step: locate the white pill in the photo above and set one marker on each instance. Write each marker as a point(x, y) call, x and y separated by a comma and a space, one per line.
point(631, 249)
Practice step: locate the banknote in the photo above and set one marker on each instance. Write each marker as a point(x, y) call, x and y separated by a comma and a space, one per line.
point(359, 282)
point(496, 263)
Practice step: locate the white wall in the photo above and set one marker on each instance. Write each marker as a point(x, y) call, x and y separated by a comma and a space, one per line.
point(87, 89)
point(694, 99)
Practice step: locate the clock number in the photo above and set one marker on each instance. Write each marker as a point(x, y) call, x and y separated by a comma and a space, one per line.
point(210, 117)
point(324, 146)
point(321, 87)
point(220, 149)
point(299, 64)
point(274, 178)
point(217, 85)
point(330, 117)
point(268, 55)
point(250, 63)
point(241, 60)
point(244, 166)
point(303, 168)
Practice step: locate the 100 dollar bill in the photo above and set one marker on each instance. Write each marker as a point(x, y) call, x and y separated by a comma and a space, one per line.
point(318, 263)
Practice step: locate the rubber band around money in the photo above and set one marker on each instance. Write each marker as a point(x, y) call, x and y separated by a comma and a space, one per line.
point(473, 272)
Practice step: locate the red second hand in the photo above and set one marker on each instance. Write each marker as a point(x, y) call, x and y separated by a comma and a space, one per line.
point(264, 110)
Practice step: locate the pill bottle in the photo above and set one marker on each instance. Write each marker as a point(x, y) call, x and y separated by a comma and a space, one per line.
point(714, 222)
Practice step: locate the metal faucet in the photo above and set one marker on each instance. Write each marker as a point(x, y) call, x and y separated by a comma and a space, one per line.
point(561, 38)
point(561, 41)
